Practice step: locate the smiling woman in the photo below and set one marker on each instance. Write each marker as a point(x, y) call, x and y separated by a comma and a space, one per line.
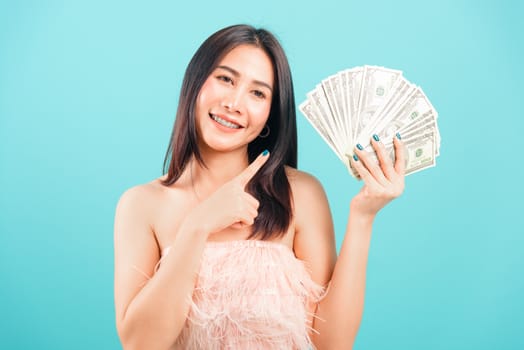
point(238, 70)
point(234, 248)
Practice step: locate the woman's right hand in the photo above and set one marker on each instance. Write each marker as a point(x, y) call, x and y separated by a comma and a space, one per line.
point(230, 205)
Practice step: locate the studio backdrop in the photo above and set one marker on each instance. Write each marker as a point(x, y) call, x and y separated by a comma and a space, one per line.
point(88, 95)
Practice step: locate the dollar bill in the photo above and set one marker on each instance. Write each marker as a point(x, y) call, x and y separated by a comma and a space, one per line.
point(314, 118)
point(351, 84)
point(401, 91)
point(419, 153)
point(332, 88)
point(376, 85)
point(409, 111)
point(352, 105)
point(318, 100)
point(423, 125)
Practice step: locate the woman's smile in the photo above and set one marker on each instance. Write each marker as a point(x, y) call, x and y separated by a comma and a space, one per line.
point(225, 122)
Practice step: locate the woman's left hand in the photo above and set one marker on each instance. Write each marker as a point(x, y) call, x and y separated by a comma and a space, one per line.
point(383, 182)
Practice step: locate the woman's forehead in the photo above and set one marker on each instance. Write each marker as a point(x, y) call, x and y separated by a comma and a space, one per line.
point(249, 62)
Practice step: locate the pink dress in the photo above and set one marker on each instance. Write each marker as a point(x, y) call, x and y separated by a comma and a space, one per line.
point(250, 295)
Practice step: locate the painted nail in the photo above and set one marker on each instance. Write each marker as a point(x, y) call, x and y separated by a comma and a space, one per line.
point(375, 137)
point(398, 136)
point(355, 158)
point(359, 146)
point(265, 153)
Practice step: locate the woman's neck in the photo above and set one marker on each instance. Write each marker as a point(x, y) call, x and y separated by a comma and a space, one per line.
point(220, 167)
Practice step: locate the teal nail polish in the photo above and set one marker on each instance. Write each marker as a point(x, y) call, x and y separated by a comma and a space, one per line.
point(398, 136)
point(359, 146)
point(265, 153)
point(375, 137)
point(355, 158)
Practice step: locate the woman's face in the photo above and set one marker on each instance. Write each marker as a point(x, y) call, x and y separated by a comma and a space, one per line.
point(234, 102)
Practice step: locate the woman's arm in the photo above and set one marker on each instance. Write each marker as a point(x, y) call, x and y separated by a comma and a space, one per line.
point(151, 309)
point(339, 313)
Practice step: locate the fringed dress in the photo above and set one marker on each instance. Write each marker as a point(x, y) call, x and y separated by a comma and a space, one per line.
point(250, 295)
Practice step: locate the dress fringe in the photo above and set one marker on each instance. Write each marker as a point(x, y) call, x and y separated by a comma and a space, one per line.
point(250, 295)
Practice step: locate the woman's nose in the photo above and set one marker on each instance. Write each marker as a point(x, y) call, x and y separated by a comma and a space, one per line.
point(233, 100)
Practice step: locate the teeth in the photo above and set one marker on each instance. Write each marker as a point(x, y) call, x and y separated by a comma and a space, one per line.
point(224, 122)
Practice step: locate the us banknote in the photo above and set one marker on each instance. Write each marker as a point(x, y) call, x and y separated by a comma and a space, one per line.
point(349, 107)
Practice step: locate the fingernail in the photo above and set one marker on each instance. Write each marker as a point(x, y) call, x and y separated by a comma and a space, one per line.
point(398, 136)
point(355, 158)
point(375, 137)
point(359, 146)
point(265, 153)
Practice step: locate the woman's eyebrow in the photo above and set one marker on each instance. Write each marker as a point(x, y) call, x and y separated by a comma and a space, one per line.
point(237, 74)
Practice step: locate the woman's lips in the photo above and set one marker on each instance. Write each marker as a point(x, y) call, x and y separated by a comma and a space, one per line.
point(225, 122)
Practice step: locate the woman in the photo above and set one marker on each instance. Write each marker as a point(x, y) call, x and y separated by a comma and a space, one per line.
point(234, 248)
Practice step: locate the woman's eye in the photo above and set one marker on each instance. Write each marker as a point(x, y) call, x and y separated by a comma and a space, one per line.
point(225, 78)
point(259, 94)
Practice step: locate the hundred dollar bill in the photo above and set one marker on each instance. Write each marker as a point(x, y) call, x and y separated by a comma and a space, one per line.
point(351, 84)
point(423, 126)
point(427, 122)
point(412, 109)
point(419, 153)
point(332, 88)
point(376, 85)
point(319, 101)
point(309, 111)
point(401, 92)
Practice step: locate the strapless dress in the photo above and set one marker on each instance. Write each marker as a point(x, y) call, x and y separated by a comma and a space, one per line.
point(250, 295)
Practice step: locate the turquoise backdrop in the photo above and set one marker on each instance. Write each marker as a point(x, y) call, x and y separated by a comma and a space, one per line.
point(88, 92)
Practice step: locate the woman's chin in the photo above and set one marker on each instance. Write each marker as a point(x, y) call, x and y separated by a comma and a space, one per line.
point(227, 145)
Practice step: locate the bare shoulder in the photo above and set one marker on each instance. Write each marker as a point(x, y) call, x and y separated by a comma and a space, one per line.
point(140, 196)
point(304, 186)
point(137, 208)
point(143, 191)
point(153, 210)
point(301, 179)
point(310, 203)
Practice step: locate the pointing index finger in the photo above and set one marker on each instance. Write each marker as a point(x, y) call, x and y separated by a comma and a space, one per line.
point(254, 167)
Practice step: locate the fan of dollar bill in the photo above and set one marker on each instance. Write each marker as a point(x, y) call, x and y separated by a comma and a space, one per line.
point(349, 107)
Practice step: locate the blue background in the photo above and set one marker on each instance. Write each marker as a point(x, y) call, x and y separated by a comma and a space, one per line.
point(88, 93)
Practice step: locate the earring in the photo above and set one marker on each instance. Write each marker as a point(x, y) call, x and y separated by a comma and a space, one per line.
point(265, 132)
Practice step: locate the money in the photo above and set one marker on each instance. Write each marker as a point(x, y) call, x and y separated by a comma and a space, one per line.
point(374, 91)
point(419, 152)
point(332, 88)
point(352, 105)
point(311, 114)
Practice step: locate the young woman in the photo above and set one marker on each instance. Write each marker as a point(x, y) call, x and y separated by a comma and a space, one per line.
point(234, 247)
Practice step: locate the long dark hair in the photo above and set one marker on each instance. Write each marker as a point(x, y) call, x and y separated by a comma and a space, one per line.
point(270, 185)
